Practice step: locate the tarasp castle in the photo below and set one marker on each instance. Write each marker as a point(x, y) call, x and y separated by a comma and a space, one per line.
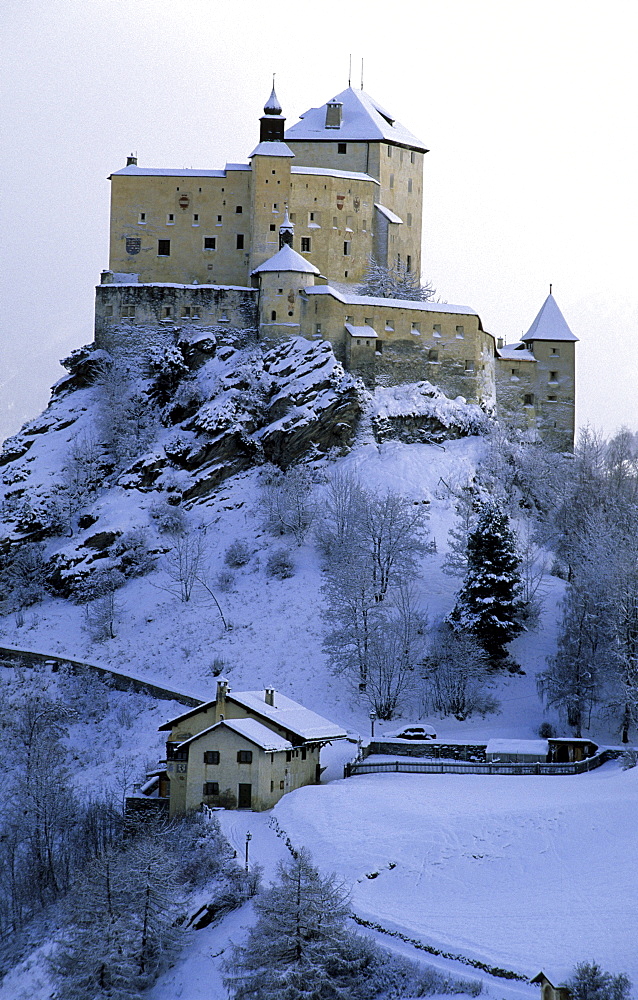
point(283, 243)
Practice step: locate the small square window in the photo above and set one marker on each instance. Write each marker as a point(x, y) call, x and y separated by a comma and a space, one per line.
point(108, 310)
point(433, 354)
point(436, 330)
point(275, 207)
point(347, 248)
point(170, 219)
point(305, 244)
point(416, 328)
point(552, 399)
point(238, 210)
point(240, 241)
point(211, 756)
point(389, 324)
point(273, 227)
point(528, 399)
point(469, 366)
point(167, 312)
point(210, 243)
point(460, 331)
point(196, 219)
point(211, 788)
point(219, 220)
point(318, 329)
point(281, 786)
point(555, 352)
point(244, 756)
point(163, 248)
point(128, 311)
point(379, 347)
point(186, 311)
point(553, 376)
point(516, 372)
point(142, 219)
point(342, 147)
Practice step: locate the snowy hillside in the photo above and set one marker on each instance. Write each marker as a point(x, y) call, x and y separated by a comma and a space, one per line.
point(128, 475)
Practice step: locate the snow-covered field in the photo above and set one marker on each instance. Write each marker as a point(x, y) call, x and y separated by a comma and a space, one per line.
point(528, 872)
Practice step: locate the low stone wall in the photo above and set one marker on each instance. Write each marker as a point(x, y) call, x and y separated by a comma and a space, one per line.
point(432, 749)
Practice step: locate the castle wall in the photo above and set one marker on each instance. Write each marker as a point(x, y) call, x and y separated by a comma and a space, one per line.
point(204, 214)
point(555, 392)
point(132, 318)
point(280, 303)
point(516, 393)
point(270, 193)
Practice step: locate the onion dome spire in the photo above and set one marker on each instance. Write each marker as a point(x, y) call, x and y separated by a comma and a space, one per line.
point(286, 231)
point(272, 122)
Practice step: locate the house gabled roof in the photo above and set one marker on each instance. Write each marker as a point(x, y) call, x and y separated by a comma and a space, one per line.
point(550, 324)
point(362, 119)
point(251, 730)
point(287, 259)
point(285, 713)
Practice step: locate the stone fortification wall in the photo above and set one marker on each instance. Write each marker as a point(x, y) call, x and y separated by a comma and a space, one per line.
point(132, 318)
point(433, 749)
point(515, 387)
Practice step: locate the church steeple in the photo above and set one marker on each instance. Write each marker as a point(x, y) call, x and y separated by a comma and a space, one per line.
point(272, 123)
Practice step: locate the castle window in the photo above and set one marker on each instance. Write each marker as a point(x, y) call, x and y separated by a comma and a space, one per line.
point(460, 331)
point(273, 227)
point(365, 225)
point(186, 311)
point(238, 210)
point(389, 324)
point(293, 217)
point(528, 399)
point(142, 219)
point(413, 157)
point(128, 311)
point(281, 786)
point(167, 312)
point(347, 248)
point(210, 243)
point(318, 329)
point(433, 354)
point(163, 248)
point(416, 328)
point(408, 263)
point(389, 150)
point(349, 223)
point(436, 330)
point(314, 219)
point(108, 310)
point(391, 180)
point(273, 315)
point(409, 185)
point(379, 346)
point(240, 241)
point(367, 321)
point(516, 372)
point(280, 291)
point(553, 376)
point(219, 220)
point(469, 366)
point(350, 319)
point(211, 756)
point(195, 219)
point(275, 207)
point(409, 218)
point(342, 147)
point(244, 756)
point(555, 352)
point(305, 244)
point(170, 219)
point(552, 399)
point(211, 788)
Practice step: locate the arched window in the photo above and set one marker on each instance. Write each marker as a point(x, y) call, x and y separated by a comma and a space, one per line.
point(273, 316)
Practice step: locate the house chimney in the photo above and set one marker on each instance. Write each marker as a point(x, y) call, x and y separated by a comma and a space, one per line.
point(499, 343)
point(131, 161)
point(222, 691)
point(269, 696)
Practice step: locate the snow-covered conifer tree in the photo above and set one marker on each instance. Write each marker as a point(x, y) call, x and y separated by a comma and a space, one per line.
point(488, 604)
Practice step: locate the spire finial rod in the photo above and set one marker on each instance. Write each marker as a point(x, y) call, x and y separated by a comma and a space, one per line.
point(362, 72)
point(349, 69)
point(550, 288)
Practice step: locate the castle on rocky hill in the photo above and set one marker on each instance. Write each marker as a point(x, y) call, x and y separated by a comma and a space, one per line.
point(282, 243)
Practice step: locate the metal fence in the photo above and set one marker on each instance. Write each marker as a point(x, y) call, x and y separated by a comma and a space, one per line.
point(455, 767)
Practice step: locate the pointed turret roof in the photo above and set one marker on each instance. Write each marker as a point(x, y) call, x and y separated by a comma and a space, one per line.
point(550, 324)
point(362, 119)
point(287, 259)
point(272, 105)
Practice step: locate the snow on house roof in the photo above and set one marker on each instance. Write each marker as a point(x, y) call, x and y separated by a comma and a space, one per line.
point(370, 300)
point(287, 259)
point(390, 216)
point(362, 119)
point(134, 171)
point(288, 714)
point(539, 747)
point(515, 352)
point(550, 324)
point(271, 149)
point(360, 331)
point(252, 730)
point(347, 175)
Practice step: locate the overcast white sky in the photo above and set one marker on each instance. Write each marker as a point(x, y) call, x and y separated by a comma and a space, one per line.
point(528, 109)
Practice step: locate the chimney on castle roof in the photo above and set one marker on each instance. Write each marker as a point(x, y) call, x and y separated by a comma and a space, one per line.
point(131, 161)
point(333, 114)
point(269, 697)
point(222, 691)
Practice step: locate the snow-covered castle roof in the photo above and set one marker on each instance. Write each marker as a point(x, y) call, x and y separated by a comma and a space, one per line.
point(362, 119)
point(550, 324)
point(287, 259)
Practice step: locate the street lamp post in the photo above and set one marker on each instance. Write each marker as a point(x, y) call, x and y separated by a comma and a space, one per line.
point(373, 716)
point(249, 837)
